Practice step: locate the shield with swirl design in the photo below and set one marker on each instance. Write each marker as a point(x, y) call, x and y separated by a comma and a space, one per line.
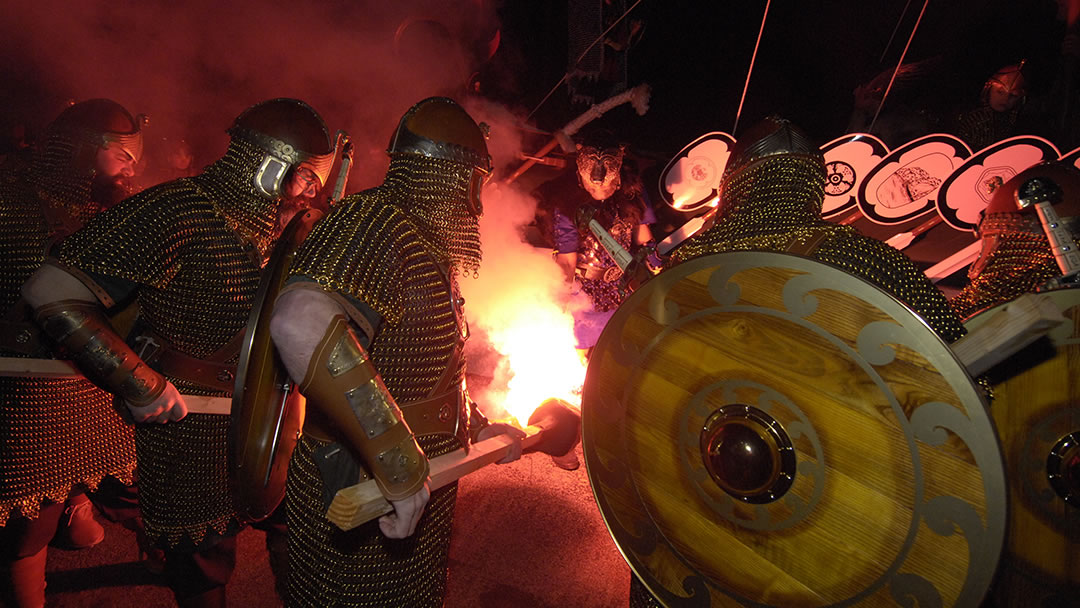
point(1037, 410)
point(762, 429)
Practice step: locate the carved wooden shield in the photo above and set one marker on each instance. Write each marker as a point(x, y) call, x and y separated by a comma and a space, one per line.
point(761, 429)
point(267, 410)
point(1036, 407)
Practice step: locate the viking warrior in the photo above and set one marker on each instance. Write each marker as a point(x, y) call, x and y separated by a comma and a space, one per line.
point(61, 436)
point(190, 253)
point(772, 195)
point(1017, 256)
point(998, 113)
point(370, 325)
point(605, 189)
point(773, 189)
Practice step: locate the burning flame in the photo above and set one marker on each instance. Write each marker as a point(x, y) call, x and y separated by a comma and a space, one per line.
point(521, 304)
point(539, 357)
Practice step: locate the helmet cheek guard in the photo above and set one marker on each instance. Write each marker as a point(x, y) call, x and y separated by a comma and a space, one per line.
point(477, 181)
point(270, 175)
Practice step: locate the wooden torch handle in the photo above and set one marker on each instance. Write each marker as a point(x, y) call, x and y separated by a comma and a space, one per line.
point(358, 504)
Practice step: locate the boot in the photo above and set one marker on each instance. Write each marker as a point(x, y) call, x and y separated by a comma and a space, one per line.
point(151, 557)
point(25, 584)
point(77, 529)
point(214, 598)
point(568, 461)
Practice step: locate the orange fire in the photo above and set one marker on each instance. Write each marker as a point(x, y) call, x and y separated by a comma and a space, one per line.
point(520, 302)
point(539, 357)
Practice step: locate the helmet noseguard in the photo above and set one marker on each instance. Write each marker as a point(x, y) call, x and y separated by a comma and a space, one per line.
point(98, 123)
point(438, 127)
point(292, 134)
point(771, 137)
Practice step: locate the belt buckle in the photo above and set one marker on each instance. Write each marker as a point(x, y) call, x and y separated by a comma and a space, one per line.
point(145, 342)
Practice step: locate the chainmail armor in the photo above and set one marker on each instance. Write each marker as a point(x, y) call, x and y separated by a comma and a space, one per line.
point(777, 201)
point(605, 295)
point(386, 247)
point(55, 434)
point(61, 184)
point(1020, 261)
point(195, 247)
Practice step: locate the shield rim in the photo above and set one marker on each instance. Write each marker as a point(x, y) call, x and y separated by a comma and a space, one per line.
point(262, 306)
point(937, 353)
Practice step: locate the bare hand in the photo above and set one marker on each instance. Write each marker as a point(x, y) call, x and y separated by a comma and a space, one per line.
point(511, 431)
point(169, 406)
point(407, 512)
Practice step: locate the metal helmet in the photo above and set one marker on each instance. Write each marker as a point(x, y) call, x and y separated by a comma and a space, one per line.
point(438, 127)
point(84, 127)
point(1044, 200)
point(771, 137)
point(292, 135)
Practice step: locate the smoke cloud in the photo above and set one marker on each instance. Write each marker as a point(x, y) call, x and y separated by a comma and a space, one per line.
point(194, 66)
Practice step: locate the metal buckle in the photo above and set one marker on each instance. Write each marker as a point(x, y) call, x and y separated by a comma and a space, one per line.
point(147, 341)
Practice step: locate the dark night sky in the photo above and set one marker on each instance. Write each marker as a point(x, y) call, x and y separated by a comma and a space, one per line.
point(695, 55)
point(193, 66)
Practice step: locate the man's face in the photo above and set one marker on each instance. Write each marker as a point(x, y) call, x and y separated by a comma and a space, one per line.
point(598, 170)
point(300, 190)
point(113, 170)
point(1006, 91)
point(302, 184)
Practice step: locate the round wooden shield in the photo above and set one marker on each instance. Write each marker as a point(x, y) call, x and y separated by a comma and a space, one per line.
point(267, 409)
point(762, 429)
point(1036, 407)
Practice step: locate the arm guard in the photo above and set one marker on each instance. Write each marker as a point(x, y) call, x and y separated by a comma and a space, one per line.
point(344, 386)
point(82, 331)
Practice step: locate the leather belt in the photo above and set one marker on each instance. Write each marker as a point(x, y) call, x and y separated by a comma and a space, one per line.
point(175, 364)
point(210, 373)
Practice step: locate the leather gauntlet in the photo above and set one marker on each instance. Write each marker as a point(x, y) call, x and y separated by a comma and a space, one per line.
point(345, 389)
point(82, 330)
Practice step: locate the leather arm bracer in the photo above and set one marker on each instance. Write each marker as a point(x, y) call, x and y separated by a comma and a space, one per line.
point(84, 333)
point(345, 388)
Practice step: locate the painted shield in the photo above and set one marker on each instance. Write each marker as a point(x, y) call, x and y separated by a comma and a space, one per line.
point(847, 161)
point(267, 409)
point(966, 192)
point(1072, 157)
point(691, 180)
point(762, 429)
point(1036, 407)
point(904, 185)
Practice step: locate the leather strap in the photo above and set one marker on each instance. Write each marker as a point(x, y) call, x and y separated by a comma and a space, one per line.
point(212, 372)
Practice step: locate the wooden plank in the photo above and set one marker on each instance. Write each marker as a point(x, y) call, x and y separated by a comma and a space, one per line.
point(1018, 324)
point(55, 368)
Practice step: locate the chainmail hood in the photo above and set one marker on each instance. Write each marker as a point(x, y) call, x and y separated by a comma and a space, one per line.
point(229, 182)
point(434, 192)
